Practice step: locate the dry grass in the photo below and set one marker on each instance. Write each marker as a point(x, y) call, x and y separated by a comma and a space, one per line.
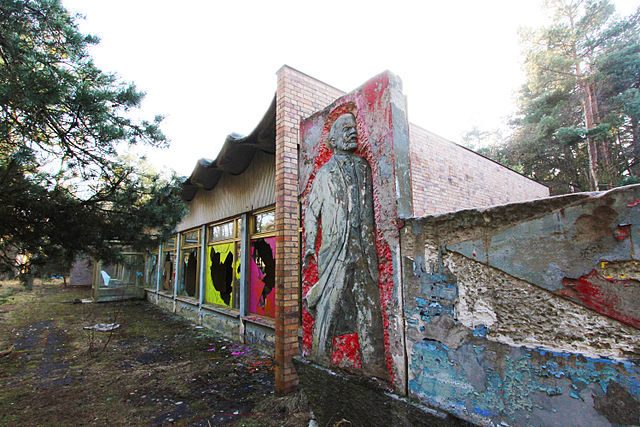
point(155, 370)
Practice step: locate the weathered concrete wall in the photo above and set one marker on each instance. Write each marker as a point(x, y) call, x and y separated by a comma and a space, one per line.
point(226, 325)
point(187, 310)
point(259, 336)
point(526, 313)
point(448, 177)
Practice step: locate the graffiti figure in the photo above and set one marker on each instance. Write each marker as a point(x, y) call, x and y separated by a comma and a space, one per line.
point(222, 274)
point(264, 259)
point(346, 298)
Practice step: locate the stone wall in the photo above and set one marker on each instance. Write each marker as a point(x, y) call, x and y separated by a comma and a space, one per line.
point(448, 177)
point(527, 313)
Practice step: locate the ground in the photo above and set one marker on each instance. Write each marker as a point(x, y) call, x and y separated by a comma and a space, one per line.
point(156, 369)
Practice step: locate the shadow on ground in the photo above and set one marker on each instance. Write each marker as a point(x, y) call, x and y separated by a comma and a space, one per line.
point(156, 369)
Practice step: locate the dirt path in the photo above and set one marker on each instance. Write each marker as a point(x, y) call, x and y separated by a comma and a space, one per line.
point(156, 369)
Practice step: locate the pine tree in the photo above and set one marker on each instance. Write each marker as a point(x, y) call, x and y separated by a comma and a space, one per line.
point(63, 187)
point(577, 125)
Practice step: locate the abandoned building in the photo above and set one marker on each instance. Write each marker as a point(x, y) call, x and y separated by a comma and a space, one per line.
point(453, 279)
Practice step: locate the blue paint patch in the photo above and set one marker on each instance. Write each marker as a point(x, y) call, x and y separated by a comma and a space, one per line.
point(434, 278)
point(438, 293)
point(483, 412)
point(480, 331)
point(551, 368)
point(442, 290)
point(514, 382)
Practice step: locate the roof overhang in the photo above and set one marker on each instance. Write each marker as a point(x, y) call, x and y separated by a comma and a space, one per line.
point(234, 157)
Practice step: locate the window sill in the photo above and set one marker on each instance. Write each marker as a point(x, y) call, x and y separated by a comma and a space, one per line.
point(188, 300)
point(231, 312)
point(260, 320)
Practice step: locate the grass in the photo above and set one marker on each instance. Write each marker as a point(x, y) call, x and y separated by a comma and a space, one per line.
point(156, 369)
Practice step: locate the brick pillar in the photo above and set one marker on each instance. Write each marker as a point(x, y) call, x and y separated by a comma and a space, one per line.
point(297, 97)
point(286, 239)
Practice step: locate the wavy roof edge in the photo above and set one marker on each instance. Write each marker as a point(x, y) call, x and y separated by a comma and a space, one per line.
point(234, 157)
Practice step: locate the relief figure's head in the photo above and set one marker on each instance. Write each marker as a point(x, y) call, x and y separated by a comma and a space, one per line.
point(343, 135)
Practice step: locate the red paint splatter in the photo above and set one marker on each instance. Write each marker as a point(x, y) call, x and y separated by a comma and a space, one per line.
point(346, 351)
point(592, 291)
point(634, 203)
point(622, 232)
point(373, 89)
point(309, 278)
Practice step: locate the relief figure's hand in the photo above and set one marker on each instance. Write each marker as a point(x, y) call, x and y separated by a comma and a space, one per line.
point(309, 254)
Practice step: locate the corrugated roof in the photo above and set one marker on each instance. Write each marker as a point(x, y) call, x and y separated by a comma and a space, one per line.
point(234, 157)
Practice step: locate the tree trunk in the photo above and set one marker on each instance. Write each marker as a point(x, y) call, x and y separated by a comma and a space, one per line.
point(635, 161)
point(27, 280)
point(586, 99)
point(592, 147)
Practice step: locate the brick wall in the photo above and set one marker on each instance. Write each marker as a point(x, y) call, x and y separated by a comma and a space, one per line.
point(447, 177)
point(297, 97)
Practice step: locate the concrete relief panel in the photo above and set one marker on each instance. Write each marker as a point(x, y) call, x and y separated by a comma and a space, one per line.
point(354, 184)
point(585, 252)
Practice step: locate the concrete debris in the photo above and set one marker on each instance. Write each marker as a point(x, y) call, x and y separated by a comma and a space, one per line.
point(103, 327)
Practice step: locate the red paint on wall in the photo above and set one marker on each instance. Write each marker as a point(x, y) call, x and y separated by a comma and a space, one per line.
point(346, 351)
point(634, 203)
point(622, 232)
point(373, 90)
point(309, 278)
point(602, 295)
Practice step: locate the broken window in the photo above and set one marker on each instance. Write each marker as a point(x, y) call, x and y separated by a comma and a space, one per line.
point(262, 269)
point(222, 275)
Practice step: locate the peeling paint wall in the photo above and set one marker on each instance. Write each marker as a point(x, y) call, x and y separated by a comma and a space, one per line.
point(491, 334)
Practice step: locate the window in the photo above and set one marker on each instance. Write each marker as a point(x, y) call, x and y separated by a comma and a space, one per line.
point(224, 231)
point(129, 271)
point(222, 275)
point(189, 280)
point(264, 222)
point(262, 269)
point(167, 266)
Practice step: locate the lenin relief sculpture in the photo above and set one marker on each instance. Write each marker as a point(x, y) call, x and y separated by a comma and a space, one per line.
point(345, 302)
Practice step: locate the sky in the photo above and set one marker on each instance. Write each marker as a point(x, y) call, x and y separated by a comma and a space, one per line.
point(210, 67)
